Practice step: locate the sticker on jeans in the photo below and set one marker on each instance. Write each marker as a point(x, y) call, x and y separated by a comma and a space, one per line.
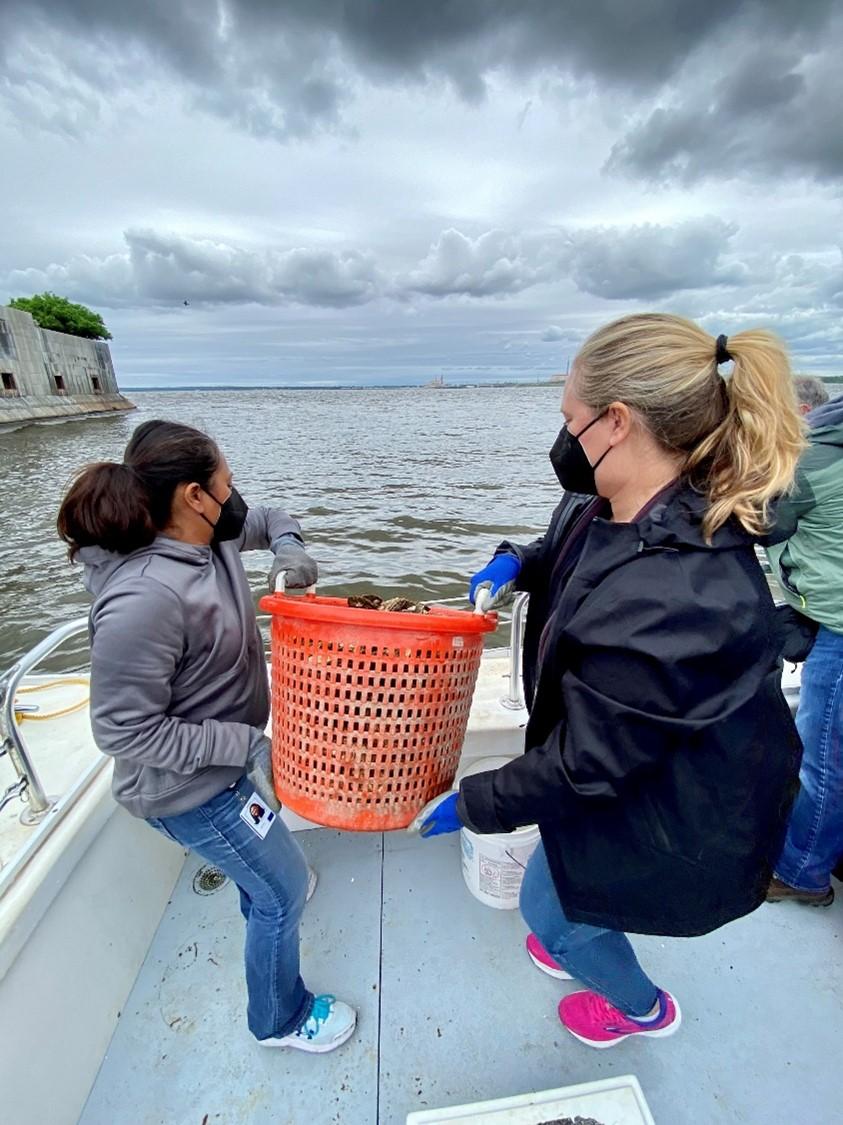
point(258, 817)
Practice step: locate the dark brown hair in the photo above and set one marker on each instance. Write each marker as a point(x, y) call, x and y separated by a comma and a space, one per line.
point(123, 506)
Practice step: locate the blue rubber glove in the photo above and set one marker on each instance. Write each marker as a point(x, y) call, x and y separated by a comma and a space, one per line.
point(440, 816)
point(498, 577)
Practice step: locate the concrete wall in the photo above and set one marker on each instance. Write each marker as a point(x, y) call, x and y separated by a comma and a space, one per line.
point(45, 374)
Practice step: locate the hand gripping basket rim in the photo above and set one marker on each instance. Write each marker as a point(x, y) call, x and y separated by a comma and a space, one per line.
point(313, 607)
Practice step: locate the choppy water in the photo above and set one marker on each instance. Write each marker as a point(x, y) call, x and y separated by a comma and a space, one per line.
point(405, 491)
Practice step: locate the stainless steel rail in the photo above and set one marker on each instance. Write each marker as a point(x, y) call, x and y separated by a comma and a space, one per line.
point(515, 700)
point(28, 786)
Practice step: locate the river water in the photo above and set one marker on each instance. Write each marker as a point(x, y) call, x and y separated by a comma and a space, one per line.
point(403, 491)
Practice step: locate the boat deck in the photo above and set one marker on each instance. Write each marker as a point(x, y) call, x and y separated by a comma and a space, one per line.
point(452, 1011)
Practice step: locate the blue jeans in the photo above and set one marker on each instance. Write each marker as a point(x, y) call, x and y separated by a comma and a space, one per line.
point(271, 875)
point(814, 841)
point(602, 959)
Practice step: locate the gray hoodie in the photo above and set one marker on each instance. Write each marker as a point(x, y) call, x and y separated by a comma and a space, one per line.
point(179, 689)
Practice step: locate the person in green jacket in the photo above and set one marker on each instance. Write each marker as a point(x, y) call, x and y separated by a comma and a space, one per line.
point(808, 562)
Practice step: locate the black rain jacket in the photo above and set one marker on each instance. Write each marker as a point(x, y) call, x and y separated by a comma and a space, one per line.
point(661, 757)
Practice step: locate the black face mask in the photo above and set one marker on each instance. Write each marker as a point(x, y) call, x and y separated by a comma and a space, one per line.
point(573, 469)
point(232, 516)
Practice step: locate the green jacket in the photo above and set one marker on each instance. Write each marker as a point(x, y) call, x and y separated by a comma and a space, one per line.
point(807, 555)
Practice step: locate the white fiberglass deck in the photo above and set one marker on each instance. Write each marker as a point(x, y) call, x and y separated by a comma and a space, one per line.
point(451, 1010)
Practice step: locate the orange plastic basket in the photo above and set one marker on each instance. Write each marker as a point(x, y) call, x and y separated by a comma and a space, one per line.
point(369, 709)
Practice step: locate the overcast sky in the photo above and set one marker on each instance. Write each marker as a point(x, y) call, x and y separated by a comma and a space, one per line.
point(362, 191)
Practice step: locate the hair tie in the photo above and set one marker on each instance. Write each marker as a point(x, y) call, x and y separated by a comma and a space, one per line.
point(134, 472)
point(721, 355)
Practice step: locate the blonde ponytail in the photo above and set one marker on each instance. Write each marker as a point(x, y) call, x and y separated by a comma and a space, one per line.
point(750, 458)
point(741, 436)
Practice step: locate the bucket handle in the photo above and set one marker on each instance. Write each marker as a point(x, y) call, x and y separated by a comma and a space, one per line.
point(508, 853)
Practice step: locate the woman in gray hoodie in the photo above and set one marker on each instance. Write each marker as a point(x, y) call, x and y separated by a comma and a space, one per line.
point(179, 692)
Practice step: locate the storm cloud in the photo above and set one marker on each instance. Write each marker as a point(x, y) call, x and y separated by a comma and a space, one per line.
point(651, 262)
point(493, 264)
point(288, 69)
point(416, 184)
point(776, 113)
point(647, 262)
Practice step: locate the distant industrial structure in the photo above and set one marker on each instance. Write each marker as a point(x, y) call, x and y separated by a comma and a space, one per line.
point(48, 375)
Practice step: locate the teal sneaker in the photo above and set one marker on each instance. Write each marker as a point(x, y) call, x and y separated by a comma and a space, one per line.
point(329, 1025)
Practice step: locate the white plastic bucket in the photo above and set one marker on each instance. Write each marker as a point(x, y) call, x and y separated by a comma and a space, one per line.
point(480, 765)
point(493, 866)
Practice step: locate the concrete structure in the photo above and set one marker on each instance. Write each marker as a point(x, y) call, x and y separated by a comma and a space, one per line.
point(48, 375)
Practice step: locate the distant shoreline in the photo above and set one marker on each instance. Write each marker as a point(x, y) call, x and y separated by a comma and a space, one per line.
point(832, 382)
point(338, 387)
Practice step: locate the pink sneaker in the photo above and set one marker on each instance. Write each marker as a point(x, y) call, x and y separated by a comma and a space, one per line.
point(595, 1021)
point(542, 959)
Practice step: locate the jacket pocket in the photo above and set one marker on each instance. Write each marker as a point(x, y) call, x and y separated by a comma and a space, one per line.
point(797, 633)
point(785, 579)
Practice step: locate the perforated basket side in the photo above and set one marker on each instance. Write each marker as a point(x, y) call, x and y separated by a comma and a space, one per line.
point(367, 725)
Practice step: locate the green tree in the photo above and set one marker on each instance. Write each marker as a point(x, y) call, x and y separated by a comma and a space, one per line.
point(61, 315)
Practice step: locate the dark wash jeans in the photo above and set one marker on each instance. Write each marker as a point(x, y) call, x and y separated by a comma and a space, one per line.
point(271, 875)
point(814, 842)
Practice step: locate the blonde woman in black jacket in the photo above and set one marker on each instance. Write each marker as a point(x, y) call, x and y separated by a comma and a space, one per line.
point(661, 758)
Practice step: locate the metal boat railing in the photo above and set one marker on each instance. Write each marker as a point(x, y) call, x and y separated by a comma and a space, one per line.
point(28, 785)
point(515, 700)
